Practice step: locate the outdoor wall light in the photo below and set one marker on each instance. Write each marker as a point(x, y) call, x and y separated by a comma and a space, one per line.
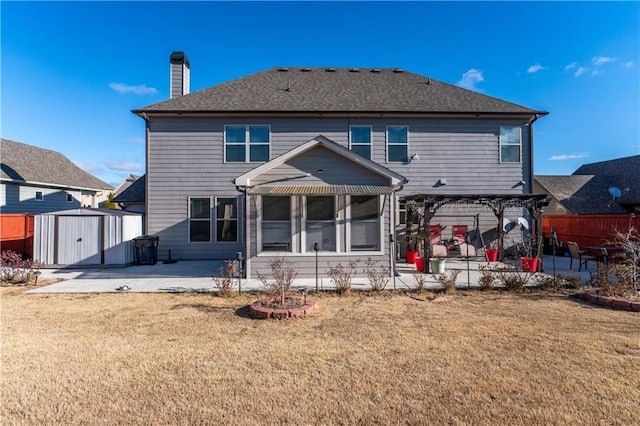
point(414, 157)
point(442, 182)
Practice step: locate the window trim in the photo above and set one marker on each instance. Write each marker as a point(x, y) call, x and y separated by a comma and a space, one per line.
point(501, 144)
point(247, 143)
point(189, 219)
point(370, 144)
point(35, 196)
point(396, 144)
point(216, 219)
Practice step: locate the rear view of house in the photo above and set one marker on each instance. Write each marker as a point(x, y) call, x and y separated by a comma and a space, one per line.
point(294, 162)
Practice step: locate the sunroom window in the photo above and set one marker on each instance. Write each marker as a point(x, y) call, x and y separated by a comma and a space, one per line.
point(365, 222)
point(276, 224)
point(226, 220)
point(320, 223)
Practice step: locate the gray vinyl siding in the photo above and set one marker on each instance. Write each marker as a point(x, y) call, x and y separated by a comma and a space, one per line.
point(186, 159)
point(21, 199)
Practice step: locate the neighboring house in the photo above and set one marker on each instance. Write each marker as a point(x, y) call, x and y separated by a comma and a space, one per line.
point(606, 187)
point(126, 183)
point(290, 159)
point(38, 180)
point(131, 199)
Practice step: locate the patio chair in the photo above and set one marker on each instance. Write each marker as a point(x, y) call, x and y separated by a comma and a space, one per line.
point(579, 255)
point(460, 233)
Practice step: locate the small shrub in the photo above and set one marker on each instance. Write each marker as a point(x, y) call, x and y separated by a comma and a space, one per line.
point(341, 276)
point(15, 270)
point(448, 280)
point(549, 282)
point(421, 280)
point(378, 276)
point(602, 275)
point(282, 275)
point(511, 278)
point(487, 278)
point(226, 278)
point(572, 281)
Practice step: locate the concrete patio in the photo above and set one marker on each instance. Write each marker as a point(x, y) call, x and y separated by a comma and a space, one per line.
point(195, 276)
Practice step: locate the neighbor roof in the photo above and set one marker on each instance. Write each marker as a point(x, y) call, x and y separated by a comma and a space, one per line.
point(134, 193)
point(31, 164)
point(337, 90)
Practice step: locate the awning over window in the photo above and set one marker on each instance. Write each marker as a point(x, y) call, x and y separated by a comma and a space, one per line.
point(320, 190)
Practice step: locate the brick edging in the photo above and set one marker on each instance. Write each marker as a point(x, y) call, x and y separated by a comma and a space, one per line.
point(261, 312)
point(592, 296)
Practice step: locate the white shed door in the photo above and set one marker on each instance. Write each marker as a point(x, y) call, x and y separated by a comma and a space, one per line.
point(79, 240)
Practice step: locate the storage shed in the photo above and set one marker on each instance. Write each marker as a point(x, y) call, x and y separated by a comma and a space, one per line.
point(86, 237)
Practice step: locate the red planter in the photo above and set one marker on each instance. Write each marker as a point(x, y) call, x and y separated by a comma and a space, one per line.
point(420, 264)
point(492, 255)
point(411, 256)
point(529, 264)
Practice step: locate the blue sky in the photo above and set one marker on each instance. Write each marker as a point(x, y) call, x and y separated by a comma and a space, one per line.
point(71, 72)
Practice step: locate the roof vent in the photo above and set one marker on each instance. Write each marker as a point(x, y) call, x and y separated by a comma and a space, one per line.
point(306, 69)
point(375, 70)
point(354, 70)
point(398, 70)
point(330, 70)
point(283, 69)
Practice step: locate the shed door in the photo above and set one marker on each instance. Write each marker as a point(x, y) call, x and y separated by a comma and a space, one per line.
point(79, 240)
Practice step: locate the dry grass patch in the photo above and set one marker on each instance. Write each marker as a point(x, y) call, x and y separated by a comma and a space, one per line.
point(477, 358)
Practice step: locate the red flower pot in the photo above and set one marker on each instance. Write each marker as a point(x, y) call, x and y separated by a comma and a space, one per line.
point(529, 264)
point(420, 264)
point(492, 255)
point(411, 256)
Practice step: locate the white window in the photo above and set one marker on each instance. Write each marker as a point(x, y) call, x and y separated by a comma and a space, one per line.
point(276, 224)
point(244, 144)
point(69, 198)
point(226, 219)
point(320, 223)
point(199, 220)
point(510, 144)
point(360, 140)
point(39, 196)
point(397, 144)
point(365, 223)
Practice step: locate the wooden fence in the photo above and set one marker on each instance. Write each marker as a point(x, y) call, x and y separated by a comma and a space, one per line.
point(16, 233)
point(588, 230)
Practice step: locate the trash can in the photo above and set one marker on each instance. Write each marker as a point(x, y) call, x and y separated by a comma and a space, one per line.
point(146, 249)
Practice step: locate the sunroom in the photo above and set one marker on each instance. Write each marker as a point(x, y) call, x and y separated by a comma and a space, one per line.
point(319, 201)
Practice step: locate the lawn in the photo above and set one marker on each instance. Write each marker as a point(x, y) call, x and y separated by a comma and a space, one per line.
point(469, 358)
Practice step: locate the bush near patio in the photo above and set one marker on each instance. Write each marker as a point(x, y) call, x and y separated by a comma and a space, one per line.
point(16, 270)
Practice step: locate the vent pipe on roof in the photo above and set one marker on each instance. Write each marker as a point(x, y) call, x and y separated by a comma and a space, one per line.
point(180, 73)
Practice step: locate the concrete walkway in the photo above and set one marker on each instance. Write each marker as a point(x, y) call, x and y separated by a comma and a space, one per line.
point(196, 276)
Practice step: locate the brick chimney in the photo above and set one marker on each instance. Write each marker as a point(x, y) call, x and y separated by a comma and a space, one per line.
point(179, 84)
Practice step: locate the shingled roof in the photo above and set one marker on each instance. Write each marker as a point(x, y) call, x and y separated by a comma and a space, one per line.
point(31, 164)
point(586, 191)
point(134, 193)
point(337, 90)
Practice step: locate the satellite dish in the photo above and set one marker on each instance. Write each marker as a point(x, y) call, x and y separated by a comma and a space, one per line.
point(524, 223)
point(615, 192)
point(507, 225)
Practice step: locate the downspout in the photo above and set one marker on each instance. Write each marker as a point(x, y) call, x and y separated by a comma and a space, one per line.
point(145, 230)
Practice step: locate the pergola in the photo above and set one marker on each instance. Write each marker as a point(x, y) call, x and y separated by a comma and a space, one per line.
point(498, 203)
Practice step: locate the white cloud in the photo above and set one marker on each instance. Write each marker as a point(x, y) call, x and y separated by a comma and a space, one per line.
point(571, 66)
point(89, 168)
point(628, 64)
point(138, 90)
point(470, 79)
point(562, 157)
point(535, 68)
point(580, 71)
point(124, 166)
point(601, 60)
point(596, 72)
